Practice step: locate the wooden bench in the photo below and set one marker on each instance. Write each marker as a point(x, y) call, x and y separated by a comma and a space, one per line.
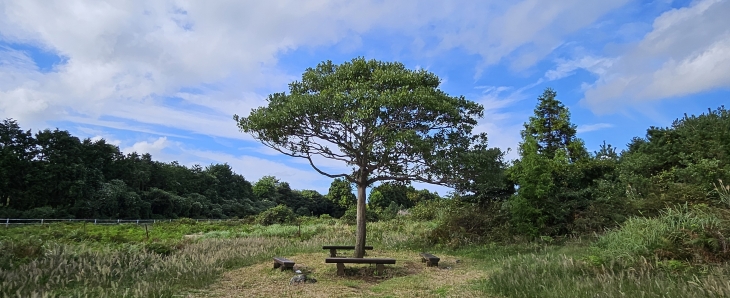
point(333, 248)
point(430, 259)
point(283, 263)
point(379, 262)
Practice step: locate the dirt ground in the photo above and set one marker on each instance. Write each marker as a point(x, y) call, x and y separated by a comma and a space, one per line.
point(409, 277)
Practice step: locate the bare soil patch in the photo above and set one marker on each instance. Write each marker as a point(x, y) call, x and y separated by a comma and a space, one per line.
point(409, 277)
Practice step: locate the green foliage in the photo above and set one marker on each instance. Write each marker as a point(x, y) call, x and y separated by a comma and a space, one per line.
point(350, 216)
point(19, 250)
point(482, 175)
point(277, 215)
point(388, 193)
point(687, 233)
point(464, 224)
point(160, 248)
point(366, 108)
point(557, 179)
point(678, 164)
point(340, 193)
point(54, 174)
point(552, 129)
point(431, 210)
point(723, 192)
point(554, 275)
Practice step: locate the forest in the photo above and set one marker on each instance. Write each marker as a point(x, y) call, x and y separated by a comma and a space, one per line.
point(53, 174)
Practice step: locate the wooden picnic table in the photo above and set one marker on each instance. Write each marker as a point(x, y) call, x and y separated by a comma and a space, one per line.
point(333, 248)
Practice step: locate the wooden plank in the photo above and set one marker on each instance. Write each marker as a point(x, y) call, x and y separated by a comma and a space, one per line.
point(333, 248)
point(351, 247)
point(360, 260)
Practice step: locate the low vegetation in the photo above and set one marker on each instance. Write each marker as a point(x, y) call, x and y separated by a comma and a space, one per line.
point(232, 259)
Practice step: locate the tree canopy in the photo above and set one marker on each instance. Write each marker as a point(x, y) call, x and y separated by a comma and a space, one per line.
point(383, 121)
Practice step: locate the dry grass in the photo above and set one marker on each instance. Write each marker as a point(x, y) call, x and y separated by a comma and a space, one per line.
point(407, 278)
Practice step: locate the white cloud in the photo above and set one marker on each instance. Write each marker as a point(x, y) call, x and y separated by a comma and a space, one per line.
point(593, 127)
point(685, 53)
point(122, 56)
point(107, 140)
point(153, 148)
point(529, 30)
point(564, 68)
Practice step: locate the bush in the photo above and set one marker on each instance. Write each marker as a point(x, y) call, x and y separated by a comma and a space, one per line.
point(350, 216)
point(463, 224)
point(689, 233)
point(19, 251)
point(431, 209)
point(164, 249)
point(280, 214)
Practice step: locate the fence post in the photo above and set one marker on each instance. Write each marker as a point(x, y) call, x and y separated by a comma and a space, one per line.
point(7, 222)
point(138, 222)
point(117, 221)
point(41, 221)
point(94, 220)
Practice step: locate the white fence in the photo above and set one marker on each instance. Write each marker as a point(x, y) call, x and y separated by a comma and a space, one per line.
point(35, 221)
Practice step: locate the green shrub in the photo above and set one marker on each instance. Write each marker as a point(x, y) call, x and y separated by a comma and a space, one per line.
point(430, 210)
point(280, 214)
point(160, 248)
point(689, 233)
point(19, 251)
point(464, 224)
point(350, 216)
point(186, 221)
point(562, 276)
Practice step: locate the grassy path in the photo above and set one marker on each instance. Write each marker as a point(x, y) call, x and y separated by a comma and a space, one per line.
point(409, 277)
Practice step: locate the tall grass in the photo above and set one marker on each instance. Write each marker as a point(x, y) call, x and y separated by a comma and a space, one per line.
point(680, 253)
point(132, 270)
point(553, 275)
point(723, 191)
point(691, 233)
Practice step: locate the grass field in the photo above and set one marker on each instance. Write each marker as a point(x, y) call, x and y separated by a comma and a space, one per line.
point(232, 259)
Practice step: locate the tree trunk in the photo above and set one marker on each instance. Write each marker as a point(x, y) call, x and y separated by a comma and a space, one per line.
point(360, 234)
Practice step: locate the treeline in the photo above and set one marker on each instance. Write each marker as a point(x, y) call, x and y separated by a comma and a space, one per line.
point(53, 174)
point(558, 188)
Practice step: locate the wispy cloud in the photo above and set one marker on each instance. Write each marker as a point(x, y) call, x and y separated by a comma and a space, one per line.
point(566, 68)
point(593, 127)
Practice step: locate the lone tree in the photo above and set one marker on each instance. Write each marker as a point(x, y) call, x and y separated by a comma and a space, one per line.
point(385, 122)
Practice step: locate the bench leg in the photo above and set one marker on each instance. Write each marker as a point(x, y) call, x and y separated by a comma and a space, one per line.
point(379, 268)
point(333, 252)
point(429, 264)
point(340, 269)
point(276, 265)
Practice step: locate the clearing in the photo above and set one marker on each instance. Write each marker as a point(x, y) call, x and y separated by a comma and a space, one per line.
point(409, 277)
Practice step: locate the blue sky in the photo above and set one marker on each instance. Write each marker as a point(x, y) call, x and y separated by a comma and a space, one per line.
point(165, 77)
